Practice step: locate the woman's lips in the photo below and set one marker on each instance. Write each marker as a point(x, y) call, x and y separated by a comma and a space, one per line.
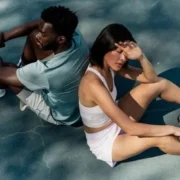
point(119, 65)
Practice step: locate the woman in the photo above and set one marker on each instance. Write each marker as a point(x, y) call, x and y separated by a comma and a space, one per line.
point(112, 129)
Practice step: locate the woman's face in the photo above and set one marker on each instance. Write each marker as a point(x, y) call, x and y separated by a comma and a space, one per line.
point(114, 59)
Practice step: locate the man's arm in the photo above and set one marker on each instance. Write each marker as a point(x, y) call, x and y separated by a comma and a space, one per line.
point(8, 77)
point(19, 31)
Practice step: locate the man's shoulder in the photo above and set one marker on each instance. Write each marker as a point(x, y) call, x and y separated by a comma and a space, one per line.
point(79, 39)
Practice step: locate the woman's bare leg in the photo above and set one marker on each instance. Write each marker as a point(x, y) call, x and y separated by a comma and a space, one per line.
point(126, 146)
point(137, 100)
point(134, 105)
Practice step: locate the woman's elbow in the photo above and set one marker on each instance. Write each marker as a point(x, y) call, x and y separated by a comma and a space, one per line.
point(152, 79)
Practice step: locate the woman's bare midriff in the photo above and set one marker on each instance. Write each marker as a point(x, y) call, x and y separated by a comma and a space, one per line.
point(94, 130)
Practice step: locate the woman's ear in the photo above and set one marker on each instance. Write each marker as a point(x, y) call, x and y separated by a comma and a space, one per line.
point(61, 39)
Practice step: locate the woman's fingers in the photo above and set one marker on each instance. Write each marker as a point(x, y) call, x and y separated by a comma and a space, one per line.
point(125, 47)
point(130, 44)
point(119, 47)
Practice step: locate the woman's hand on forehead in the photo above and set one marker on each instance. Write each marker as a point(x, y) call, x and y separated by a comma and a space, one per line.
point(130, 49)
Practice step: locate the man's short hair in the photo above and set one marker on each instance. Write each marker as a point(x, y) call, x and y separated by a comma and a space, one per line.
point(63, 20)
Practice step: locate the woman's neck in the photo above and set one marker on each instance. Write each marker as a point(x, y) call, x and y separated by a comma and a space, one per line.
point(103, 71)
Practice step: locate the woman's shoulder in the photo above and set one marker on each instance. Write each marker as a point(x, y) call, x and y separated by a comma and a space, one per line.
point(90, 81)
point(90, 78)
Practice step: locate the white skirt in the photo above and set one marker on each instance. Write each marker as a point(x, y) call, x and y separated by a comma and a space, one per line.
point(101, 143)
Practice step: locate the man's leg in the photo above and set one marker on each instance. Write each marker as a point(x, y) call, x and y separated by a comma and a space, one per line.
point(35, 102)
point(31, 53)
point(4, 86)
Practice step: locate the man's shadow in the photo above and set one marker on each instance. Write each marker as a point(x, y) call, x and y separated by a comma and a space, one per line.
point(156, 112)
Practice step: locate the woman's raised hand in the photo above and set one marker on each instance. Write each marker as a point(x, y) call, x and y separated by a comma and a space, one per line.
point(130, 49)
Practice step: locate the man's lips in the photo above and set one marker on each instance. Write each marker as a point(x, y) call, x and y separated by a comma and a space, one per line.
point(38, 43)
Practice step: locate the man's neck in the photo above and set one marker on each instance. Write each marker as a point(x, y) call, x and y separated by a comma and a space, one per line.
point(63, 47)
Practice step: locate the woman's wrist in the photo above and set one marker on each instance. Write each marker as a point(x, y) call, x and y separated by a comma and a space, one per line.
point(141, 57)
point(170, 129)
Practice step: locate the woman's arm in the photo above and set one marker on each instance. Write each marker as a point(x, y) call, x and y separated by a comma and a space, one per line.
point(102, 98)
point(22, 30)
point(148, 69)
point(146, 74)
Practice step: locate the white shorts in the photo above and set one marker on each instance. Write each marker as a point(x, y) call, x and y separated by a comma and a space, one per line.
point(101, 143)
point(35, 102)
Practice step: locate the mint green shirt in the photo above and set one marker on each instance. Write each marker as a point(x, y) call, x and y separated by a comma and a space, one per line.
point(58, 76)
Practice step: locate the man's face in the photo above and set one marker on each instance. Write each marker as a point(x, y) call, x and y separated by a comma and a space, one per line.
point(46, 37)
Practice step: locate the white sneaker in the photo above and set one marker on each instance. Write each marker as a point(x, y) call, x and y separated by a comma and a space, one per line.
point(2, 92)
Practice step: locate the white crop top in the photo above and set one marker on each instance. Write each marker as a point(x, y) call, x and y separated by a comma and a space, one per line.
point(94, 116)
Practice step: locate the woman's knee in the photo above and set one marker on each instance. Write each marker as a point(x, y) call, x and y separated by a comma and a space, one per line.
point(159, 86)
point(163, 83)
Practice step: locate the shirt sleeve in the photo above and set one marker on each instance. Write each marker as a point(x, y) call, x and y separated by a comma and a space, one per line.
point(32, 76)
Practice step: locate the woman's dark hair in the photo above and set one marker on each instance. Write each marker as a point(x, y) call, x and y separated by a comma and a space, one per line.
point(63, 20)
point(105, 42)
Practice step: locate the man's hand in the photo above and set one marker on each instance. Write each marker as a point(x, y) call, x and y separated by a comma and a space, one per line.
point(2, 40)
point(130, 49)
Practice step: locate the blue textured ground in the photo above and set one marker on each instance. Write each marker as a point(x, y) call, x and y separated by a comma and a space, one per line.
point(31, 149)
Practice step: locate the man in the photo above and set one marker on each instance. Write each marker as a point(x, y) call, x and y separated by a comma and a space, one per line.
point(54, 59)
